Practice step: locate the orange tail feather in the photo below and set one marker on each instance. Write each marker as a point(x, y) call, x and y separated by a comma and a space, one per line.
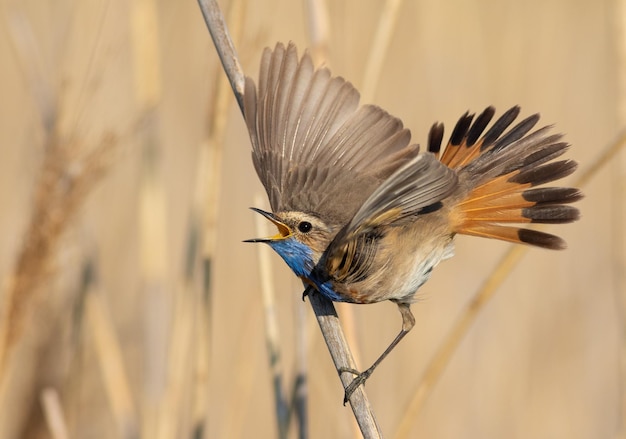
point(501, 172)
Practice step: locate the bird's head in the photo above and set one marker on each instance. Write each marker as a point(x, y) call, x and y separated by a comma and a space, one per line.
point(300, 241)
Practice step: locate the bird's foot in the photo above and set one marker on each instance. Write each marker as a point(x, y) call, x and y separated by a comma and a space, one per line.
point(360, 378)
point(310, 289)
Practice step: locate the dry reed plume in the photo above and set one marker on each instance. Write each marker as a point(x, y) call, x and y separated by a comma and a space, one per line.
point(65, 180)
point(67, 176)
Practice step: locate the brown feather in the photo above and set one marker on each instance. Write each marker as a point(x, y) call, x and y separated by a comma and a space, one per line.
point(456, 139)
point(516, 235)
point(417, 186)
point(311, 141)
point(435, 136)
point(498, 171)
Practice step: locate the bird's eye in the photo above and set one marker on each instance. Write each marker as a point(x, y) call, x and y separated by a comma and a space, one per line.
point(305, 227)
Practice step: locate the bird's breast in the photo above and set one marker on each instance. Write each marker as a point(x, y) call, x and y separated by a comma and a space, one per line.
point(403, 263)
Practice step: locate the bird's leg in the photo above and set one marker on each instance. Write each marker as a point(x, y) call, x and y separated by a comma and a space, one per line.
point(408, 321)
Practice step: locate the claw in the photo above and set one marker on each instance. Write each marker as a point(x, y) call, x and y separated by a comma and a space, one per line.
point(356, 382)
point(348, 370)
point(308, 290)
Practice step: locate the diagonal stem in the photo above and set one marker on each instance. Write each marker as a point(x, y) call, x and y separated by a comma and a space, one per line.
point(224, 45)
point(342, 358)
point(323, 308)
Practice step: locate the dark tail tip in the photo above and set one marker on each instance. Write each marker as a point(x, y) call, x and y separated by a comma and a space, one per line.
point(541, 239)
point(545, 173)
point(550, 214)
point(435, 137)
point(553, 195)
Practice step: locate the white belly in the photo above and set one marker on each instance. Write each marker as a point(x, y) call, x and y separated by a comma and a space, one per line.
point(421, 270)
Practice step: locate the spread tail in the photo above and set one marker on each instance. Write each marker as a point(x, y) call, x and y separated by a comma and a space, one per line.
point(501, 171)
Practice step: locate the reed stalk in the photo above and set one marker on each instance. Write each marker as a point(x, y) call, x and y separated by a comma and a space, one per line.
point(53, 413)
point(323, 308)
point(106, 344)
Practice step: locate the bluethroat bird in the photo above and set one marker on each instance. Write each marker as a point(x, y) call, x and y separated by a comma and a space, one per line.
point(362, 215)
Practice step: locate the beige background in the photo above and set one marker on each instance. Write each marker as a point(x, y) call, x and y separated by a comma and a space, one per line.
point(544, 359)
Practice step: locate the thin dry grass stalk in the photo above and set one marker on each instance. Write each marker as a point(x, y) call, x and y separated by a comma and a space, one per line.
point(160, 406)
point(66, 178)
point(28, 52)
point(242, 380)
point(619, 183)
point(205, 215)
point(459, 329)
point(145, 39)
point(272, 338)
point(224, 45)
point(318, 21)
point(53, 413)
point(342, 359)
point(375, 61)
point(300, 394)
point(210, 165)
point(111, 362)
point(179, 386)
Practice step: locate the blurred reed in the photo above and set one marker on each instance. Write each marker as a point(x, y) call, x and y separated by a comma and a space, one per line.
point(618, 249)
point(380, 43)
point(272, 337)
point(158, 414)
point(106, 343)
point(66, 177)
point(69, 172)
point(205, 214)
point(53, 412)
point(318, 26)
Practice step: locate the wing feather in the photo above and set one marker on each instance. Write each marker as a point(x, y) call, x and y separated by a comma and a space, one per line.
point(314, 148)
point(413, 189)
point(417, 185)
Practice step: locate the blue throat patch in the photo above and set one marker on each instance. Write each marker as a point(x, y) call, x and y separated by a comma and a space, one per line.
point(299, 258)
point(297, 255)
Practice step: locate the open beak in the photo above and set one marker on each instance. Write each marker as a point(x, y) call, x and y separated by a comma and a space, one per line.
point(283, 230)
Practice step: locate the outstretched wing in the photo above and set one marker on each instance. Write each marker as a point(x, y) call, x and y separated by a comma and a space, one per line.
point(314, 148)
point(416, 188)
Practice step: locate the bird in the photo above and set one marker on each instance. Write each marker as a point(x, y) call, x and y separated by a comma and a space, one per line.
point(362, 214)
